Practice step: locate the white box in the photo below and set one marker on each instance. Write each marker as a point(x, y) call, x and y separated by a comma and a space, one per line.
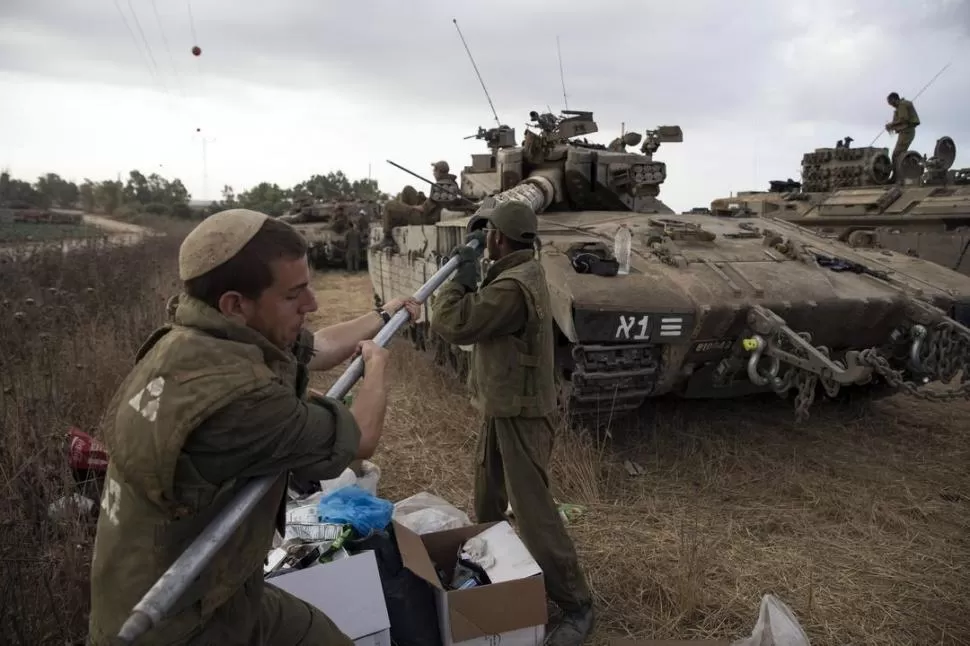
point(348, 591)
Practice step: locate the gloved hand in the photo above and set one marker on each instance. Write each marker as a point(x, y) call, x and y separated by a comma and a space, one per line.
point(479, 235)
point(467, 273)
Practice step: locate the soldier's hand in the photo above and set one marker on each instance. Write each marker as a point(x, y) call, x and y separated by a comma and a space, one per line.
point(464, 254)
point(478, 235)
point(413, 307)
point(374, 356)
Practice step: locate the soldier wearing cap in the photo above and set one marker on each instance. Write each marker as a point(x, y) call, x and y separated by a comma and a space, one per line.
point(216, 397)
point(444, 193)
point(512, 385)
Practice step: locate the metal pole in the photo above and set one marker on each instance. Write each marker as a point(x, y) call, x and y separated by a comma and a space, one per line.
point(188, 566)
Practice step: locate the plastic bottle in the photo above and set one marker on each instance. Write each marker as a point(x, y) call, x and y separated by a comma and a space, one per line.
point(621, 248)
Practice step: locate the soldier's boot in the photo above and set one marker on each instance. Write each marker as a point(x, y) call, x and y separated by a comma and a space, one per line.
point(572, 629)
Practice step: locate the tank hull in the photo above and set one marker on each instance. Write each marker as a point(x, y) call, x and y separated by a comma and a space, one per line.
point(679, 322)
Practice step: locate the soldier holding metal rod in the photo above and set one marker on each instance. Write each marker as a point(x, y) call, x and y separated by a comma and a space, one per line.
point(216, 398)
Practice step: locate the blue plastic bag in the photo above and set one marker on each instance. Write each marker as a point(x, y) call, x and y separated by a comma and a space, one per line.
point(356, 507)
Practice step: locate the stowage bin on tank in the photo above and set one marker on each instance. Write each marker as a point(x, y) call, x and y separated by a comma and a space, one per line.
point(710, 306)
point(849, 194)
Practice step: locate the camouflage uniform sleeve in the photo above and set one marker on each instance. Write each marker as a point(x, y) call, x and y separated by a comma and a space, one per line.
point(271, 431)
point(498, 309)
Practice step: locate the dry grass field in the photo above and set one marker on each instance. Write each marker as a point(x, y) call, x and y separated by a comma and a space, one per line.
point(858, 519)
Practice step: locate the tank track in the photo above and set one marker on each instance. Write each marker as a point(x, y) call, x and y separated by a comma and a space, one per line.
point(602, 381)
point(609, 379)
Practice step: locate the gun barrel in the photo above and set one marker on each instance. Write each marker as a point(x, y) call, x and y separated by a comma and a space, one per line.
point(538, 190)
point(189, 565)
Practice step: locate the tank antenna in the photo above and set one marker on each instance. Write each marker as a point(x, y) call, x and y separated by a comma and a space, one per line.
point(472, 59)
point(562, 78)
point(881, 132)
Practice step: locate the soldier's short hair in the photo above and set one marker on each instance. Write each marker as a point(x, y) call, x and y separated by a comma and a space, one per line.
point(249, 271)
point(893, 96)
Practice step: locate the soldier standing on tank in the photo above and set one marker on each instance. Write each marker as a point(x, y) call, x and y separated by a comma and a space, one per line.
point(217, 397)
point(512, 385)
point(352, 254)
point(904, 123)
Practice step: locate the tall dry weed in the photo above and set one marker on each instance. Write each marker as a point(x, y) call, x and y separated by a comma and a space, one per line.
point(69, 328)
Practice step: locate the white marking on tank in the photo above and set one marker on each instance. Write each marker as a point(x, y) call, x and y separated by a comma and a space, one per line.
point(671, 325)
point(626, 324)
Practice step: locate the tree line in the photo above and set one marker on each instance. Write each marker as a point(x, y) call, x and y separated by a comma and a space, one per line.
point(158, 195)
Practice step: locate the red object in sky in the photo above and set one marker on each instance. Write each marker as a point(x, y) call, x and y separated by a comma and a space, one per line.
point(196, 50)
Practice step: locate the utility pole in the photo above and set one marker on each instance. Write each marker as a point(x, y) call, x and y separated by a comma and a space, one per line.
point(205, 166)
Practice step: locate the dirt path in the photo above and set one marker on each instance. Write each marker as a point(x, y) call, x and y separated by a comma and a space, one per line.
point(114, 225)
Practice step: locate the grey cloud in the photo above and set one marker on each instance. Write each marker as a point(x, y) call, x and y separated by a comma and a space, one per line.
point(697, 64)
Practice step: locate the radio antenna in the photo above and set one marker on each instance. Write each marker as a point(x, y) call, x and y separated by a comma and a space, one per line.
point(883, 131)
point(562, 78)
point(472, 59)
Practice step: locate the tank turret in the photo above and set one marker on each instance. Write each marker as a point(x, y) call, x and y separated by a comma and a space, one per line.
point(576, 174)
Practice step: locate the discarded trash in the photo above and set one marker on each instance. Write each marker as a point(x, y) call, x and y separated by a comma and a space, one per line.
point(468, 574)
point(424, 513)
point(569, 512)
point(633, 468)
point(353, 506)
point(71, 507)
point(776, 626)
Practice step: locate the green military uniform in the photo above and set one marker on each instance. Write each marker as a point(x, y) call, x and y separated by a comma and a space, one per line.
point(512, 385)
point(904, 125)
point(209, 404)
point(352, 255)
point(411, 211)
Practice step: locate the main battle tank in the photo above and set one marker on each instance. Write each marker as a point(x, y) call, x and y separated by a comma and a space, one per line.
point(703, 306)
point(850, 194)
point(325, 225)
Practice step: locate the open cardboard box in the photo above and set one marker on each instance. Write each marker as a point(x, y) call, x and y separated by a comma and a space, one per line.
point(514, 611)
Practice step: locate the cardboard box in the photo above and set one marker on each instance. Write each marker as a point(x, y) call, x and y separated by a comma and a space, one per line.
point(511, 612)
point(347, 590)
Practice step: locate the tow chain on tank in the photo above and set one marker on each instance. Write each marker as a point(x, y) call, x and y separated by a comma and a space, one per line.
point(942, 353)
point(935, 354)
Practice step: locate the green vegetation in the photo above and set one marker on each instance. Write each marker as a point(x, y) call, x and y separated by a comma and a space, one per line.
point(38, 231)
point(156, 195)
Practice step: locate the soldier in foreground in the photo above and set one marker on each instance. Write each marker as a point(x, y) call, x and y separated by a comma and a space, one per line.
point(903, 124)
point(512, 385)
point(215, 398)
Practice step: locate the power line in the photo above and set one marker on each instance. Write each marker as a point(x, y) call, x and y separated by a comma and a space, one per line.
point(148, 47)
point(134, 40)
point(168, 49)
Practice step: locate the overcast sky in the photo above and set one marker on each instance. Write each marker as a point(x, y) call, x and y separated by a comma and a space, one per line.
point(289, 88)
